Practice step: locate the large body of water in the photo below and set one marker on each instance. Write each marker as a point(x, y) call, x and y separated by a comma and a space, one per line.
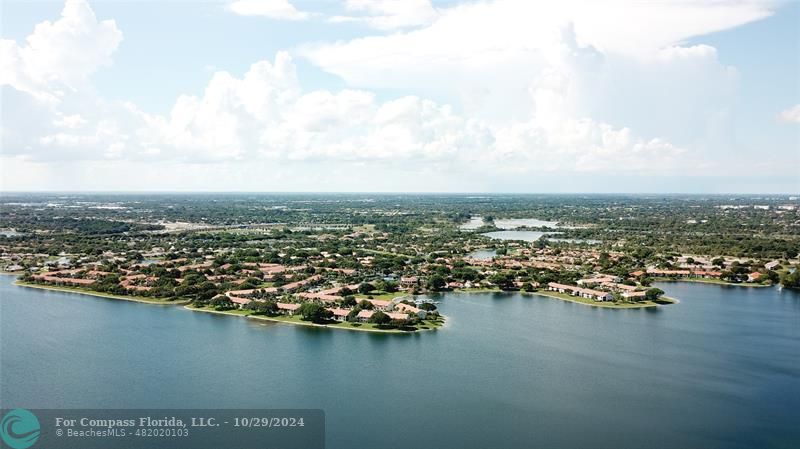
point(721, 369)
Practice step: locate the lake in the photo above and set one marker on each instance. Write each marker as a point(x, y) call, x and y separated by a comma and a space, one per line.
point(513, 223)
point(528, 236)
point(721, 369)
point(474, 222)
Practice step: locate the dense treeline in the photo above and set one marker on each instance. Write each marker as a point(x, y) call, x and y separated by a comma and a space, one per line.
point(419, 226)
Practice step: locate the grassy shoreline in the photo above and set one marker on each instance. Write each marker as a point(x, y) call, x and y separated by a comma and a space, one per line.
point(713, 282)
point(577, 300)
point(295, 320)
point(81, 291)
point(364, 327)
point(664, 301)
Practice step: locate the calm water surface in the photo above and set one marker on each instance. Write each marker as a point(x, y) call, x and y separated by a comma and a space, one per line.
point(721, 369)
point(474, 222)
point(512, 223)
point(528, 236)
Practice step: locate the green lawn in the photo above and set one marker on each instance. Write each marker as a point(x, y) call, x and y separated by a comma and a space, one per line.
point(711, 281)
point(381, 295)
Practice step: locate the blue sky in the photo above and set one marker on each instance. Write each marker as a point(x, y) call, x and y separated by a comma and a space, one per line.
point(377, 95)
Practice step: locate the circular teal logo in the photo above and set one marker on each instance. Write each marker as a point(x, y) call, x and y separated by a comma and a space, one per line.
point(20, 429)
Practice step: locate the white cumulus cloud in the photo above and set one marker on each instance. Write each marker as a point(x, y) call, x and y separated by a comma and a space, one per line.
point(59, 55)
point(535, 91)
point(791, 115)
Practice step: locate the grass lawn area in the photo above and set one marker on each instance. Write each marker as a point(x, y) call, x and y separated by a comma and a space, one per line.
point(380, 295)
point(712, 281)
point(565, 297)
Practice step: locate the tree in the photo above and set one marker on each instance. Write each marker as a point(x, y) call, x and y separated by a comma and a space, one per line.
point(349, 301)
point(263, 307)
point(365, 288)
point(353, 315)
point(380, 318)
point(505, 281)
point(429, 306)
point(221, 302)
point(436, 283)
point(365, 305)
point(653, 294)
point(791, 280)
point(386, 286)
point(311, 311)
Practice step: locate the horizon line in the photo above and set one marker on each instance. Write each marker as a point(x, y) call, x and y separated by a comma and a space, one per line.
point(343, 192)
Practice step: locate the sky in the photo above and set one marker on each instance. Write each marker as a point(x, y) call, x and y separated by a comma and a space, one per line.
point(646, 96)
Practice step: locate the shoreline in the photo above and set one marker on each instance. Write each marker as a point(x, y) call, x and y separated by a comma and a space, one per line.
point(141, 300)
point(186, 305)
point(667, 302)
point(308, 323)
point(603, 304)
point(713, 282)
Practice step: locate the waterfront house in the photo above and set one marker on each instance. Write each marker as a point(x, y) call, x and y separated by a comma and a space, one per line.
point(409, 281)
point(635, 296)
point(754, 277)
point(340, 314)
point(379, 304)
point(597, 295)
point(240, 302)
point(668, 273)
point(708, 274)
point(287, 308)
point(397, 315)
point(405, 308)
point(619, 287)
point(597, 280)
point(364, 315)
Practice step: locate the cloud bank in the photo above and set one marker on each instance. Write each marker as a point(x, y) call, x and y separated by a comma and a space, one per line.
point(537, 90)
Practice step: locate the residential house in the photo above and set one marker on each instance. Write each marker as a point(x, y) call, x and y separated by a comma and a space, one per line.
point(408, 309)
point(287, 308)
point(340, 314)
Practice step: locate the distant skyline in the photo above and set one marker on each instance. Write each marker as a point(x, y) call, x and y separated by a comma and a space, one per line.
point(401, 96)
